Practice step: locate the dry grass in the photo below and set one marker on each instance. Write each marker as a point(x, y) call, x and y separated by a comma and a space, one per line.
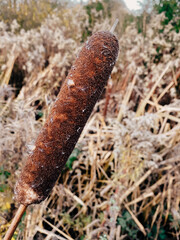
point(125, 182)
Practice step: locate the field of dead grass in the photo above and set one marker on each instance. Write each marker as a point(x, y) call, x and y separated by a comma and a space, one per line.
point(122, 180)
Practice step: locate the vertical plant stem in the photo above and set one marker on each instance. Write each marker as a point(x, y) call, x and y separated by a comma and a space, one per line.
point(108, 95)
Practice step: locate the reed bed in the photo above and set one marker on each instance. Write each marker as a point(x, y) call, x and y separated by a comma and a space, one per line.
point(122, 179)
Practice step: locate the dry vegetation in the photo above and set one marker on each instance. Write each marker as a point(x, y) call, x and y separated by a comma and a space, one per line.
point(122, 180)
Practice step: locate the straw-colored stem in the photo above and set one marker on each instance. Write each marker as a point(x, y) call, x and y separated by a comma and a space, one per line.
point(114, 25)
point(15, 222)
point(108, 96)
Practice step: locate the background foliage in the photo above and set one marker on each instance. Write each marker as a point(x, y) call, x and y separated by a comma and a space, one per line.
point(122, 179)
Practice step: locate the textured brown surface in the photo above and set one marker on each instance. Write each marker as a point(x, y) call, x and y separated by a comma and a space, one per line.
point(69, 114)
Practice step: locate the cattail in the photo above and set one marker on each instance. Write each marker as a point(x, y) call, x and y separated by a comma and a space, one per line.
point(68, 116)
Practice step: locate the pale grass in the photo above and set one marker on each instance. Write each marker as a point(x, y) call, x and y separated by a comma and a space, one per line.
point(141, 107)
point(129, 161)
point(136, 220)
point(126, 98)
